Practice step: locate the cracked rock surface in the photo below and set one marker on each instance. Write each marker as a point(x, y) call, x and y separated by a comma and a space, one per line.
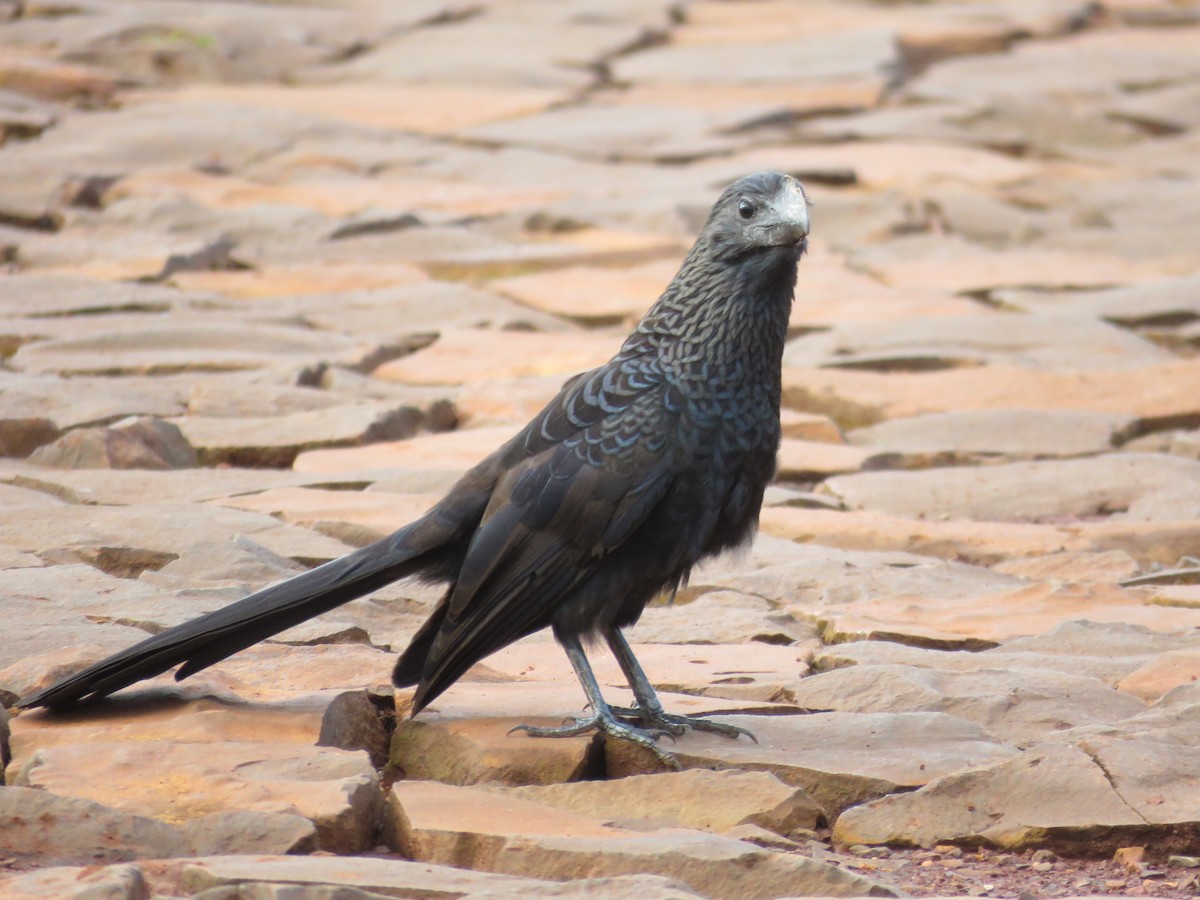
point(275, 273)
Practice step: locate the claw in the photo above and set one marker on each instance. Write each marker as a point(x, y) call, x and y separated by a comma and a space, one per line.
point(677, 725)
point(608, 724)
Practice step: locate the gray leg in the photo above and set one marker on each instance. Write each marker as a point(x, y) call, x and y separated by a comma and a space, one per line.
point(649, 709)
point(602, 717)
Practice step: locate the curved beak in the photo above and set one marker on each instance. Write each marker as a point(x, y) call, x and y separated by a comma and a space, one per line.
point(787, 222)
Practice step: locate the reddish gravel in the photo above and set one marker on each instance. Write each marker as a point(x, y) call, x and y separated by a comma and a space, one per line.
point(950, 871)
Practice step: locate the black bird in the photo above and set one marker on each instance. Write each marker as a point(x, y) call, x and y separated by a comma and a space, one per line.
point(634, 473)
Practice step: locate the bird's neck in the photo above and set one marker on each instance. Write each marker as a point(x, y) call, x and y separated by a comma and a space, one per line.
point(735, 315)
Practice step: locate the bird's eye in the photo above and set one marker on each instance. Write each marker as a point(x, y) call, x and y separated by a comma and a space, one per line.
point(746, 209)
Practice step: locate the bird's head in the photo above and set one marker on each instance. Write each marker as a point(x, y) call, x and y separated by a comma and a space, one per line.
point(759, 213)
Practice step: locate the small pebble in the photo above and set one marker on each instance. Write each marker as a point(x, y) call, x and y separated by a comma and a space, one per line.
point(948, 850)
point(1042, 867)
point(869, 852)
point(1043, 856)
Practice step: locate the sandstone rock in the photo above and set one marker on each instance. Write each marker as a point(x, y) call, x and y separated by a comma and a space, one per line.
point(86, 400)
point(339, 513)
point(467, 827)
point(354, 721)
point(334, 789)
point(1053, 795)
point(1107, 669)
point(483, 751)
point(855, 399)
point(1161, 300)
point(801, 460)
point(1164, 673)
point(45, 828)
point(719, 617)
point(815, 577)
point(710, 801)
point(591, 296)
point(1089, 637)
point(1080, 567)
point(275, 441)
point(708, 669)
point(21, 436)
point(624, 887)
point(952, 437)
point(984, 621)
point(1046, 489)
point(627, 130)
point(505, 401)
point(125, 882)
point(1018, 706)
point(238, 562)
point(1030, 341)
point(249, 831)
point(127, 487)
point(167, 349)
point(419, 107)
point(825, 58)
point(129, 444)
point(460, 356)
point(455, 451)
point(981, 543)
point(158, 532)
point(839, 759)
point(390, 877)
point(424, 308)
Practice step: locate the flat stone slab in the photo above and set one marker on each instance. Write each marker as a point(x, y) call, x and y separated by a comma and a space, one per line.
point(591, 295)
point(717, 801)
point(470, 828)
point(336, 790)
point(454, 451)
point(988, 619)
point(176, 348)
point(163, 531)
point(839, 759)
point(942, 438)
point(1017, 706)
point(815, 577)
point(460, 356)
point(1086, 663)
point(1030, 341)
point(1088, 792)
point(1020, 490)
point(390, 877)
point(275, 441)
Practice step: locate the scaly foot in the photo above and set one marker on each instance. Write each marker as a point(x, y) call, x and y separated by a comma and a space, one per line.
point(609, 724)
point(671, 723)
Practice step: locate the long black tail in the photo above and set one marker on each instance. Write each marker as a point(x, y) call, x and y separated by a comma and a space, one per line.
point(212, 637)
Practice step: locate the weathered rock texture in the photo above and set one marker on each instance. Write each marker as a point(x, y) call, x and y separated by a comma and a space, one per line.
point(276, 274)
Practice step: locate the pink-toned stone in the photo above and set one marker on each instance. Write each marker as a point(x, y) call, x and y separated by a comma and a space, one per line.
point(962, 539)
point(451, 451)
point(890, 164)
point(983, 621)
point(177, 782)
point(951, 264)
point(803, 460)
point(290, 281)
point(462, 356)
point(429, 108)
point(863, 398)
point(1079, 567)
point(591, 295)
point(314, 508)
point(1168, 671)
point(809, 427)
